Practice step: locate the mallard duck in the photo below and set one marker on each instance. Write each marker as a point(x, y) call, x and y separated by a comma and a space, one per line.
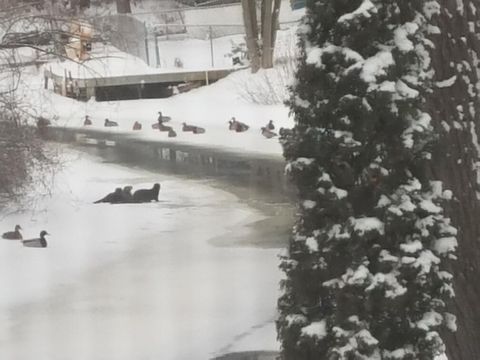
point(39, 243)
point(13, 235)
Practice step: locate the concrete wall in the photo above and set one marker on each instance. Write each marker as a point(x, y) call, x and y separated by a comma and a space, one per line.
point(261, 171)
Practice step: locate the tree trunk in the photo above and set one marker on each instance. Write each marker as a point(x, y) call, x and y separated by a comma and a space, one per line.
point(267, 49)
point(251, 31)
point(123, 7)
point(275, 16)
point(454, 107)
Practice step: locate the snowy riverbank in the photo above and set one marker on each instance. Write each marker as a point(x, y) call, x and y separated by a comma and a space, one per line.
point(251, 98)
point(134, 281)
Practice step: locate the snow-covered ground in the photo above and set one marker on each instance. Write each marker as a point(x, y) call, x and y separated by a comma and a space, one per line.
point(195, 54)
point(134, 281)
point(109, 61)
point(210, 107)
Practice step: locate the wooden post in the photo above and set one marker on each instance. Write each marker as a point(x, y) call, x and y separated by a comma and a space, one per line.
point(211, 44)
point(147, 53)
point(157, 51)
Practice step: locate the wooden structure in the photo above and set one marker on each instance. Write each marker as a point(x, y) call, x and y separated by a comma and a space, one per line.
point(133, 86)
point(79, 45)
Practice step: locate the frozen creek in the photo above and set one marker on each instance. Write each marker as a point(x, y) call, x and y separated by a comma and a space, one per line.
point(134, 281)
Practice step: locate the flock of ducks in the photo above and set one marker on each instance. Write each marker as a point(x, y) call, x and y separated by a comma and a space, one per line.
point(125, 196)
point(118, 196)
point(233, 124)
point(40, 242)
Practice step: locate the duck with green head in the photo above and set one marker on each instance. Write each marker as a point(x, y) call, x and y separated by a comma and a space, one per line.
point(40, 242)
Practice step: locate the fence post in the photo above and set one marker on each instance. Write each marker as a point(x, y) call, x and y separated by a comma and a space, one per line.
point(211, 45)
point(157, 51)
point(146, 44)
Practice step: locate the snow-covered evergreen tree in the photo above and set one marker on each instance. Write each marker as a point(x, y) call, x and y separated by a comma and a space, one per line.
point(367, 268)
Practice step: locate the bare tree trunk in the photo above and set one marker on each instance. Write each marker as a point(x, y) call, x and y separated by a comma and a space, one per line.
point(455, 110)
point(275, 16)
point(267, 49)
point(251, 30)
point(123, 7)
point(261, 55)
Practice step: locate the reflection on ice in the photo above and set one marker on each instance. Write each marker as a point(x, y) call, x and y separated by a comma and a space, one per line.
point(134, 281)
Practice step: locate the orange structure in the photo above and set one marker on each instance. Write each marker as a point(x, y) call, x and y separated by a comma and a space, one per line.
point(80, 43)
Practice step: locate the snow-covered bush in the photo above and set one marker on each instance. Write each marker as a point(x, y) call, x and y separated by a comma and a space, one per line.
point(367, 270)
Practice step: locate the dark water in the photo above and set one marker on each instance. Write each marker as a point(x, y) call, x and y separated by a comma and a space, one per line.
point(277, 206)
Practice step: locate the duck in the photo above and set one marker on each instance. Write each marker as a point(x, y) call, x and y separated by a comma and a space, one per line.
point(162, 118)
point(186, 127)
point(137, 126)
point(40, 242)
point(109, 123)
point(43, 122)
point(194, 129)
point(237, 126)
point(198, 130)
point(13, 235)
point(268, 133)
point(162, 127)
point(270, 125)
